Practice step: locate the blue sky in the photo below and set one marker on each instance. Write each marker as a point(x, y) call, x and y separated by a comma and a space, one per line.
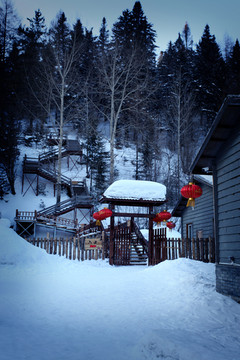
point(167, 16)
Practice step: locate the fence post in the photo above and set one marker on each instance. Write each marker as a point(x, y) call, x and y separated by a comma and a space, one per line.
point(193, 249)
point(198, 249)
point(74, 248)
point(206, 250)
point(66, 248)
point(183, 248)
point(103, 245)
point(78, 246)
point(59, 247)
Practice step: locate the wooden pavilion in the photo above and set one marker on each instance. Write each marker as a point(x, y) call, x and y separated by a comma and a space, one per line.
point(125, 198)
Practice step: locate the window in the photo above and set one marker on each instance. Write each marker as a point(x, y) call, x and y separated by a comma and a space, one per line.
point(189, 231)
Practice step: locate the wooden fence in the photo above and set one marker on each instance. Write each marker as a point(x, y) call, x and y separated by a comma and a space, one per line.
point(85, 248)
point(72, 248)
point(196, 249)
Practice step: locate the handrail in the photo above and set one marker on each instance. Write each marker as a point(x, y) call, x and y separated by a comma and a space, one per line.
point(140, 237)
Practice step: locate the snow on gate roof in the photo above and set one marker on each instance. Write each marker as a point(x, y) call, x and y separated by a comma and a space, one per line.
point(136, 190)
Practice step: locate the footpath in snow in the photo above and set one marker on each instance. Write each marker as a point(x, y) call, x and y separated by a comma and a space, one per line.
point(56, 309)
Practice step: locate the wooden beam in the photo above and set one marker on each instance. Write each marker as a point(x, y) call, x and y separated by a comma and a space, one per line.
point(133, 215)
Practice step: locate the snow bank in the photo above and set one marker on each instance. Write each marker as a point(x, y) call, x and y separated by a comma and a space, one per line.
point(90, 310)
point(136, 189)
point(15, 250)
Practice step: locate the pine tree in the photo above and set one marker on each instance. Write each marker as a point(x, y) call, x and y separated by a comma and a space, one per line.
point(31, 44)
point(233, 70)
point(135, 37)
point(9, 88)
point(97, 161)
point(210, 76)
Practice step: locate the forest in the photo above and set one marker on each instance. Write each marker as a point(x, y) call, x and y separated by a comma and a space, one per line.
point(160, 105)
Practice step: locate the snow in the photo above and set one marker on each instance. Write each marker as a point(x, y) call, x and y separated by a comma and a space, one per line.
point(136, 189)
point(53, 308)
point(205, 178)
point(170, 233)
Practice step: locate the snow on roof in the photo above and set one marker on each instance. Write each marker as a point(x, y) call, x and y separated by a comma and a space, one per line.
point(204, 178)
point(136, 189)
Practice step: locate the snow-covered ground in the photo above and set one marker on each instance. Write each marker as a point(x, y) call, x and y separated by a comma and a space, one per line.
point(53, 308)
point(56, 309)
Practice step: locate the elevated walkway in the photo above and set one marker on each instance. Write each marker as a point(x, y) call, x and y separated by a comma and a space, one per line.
point(39, 167)
point(26, 221)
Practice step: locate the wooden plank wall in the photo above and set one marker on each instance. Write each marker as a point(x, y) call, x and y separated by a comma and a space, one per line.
point(201, 217)
point(228, 200)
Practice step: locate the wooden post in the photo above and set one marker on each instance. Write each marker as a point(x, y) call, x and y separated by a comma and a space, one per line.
point(150, 240)
point(198, 249)
point(193, 249)
point(74, 248)
point(55, 246)
point(67, 248)
point(206, 249)
point(183, 248)
point(111, 242)
point(59, 247)
point(179, 255)
point(103, 245)
point(78, 252)
point(47, 249)
point(51, 246)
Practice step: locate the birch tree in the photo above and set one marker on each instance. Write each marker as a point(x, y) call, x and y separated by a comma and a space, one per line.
point(120, 82)
point(59, 82)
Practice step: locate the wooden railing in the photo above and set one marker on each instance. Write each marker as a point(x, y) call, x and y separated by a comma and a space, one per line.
point(46, 219)
point(71, 248)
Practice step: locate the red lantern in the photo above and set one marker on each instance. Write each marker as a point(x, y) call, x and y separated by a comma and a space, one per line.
point(165, 215)
point(105, 213)
point(162, 216)
point(157, 218)
point(191, 192)
point(102, 215)
point(171, 225)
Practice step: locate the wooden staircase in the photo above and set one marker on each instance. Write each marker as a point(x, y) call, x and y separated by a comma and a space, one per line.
point(137, 254)
point(66, 206)
point(39, 166)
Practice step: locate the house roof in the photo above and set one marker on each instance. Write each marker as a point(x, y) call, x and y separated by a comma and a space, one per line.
point(223, 126)
point(182, 202)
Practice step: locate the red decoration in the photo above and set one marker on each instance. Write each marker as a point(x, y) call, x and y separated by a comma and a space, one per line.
point(157, 218)
point(165, 215)
point(191, 192)
point(162, 216)
point(170, 225)
point(102, 215)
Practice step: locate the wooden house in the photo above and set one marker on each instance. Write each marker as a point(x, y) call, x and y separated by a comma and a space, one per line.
point(220, 156)
point(197, 222)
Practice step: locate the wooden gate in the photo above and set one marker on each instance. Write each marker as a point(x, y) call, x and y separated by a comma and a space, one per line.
point(122, 246)
point(159, 247)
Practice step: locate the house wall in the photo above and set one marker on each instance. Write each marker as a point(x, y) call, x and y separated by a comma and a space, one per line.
point(201, 217)
point(227, 179)
point(228, 200)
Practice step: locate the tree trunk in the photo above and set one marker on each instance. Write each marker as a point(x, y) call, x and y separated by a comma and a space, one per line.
point(59, 167)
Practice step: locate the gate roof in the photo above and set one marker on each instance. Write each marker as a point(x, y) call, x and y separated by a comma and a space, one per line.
point(135, 193)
